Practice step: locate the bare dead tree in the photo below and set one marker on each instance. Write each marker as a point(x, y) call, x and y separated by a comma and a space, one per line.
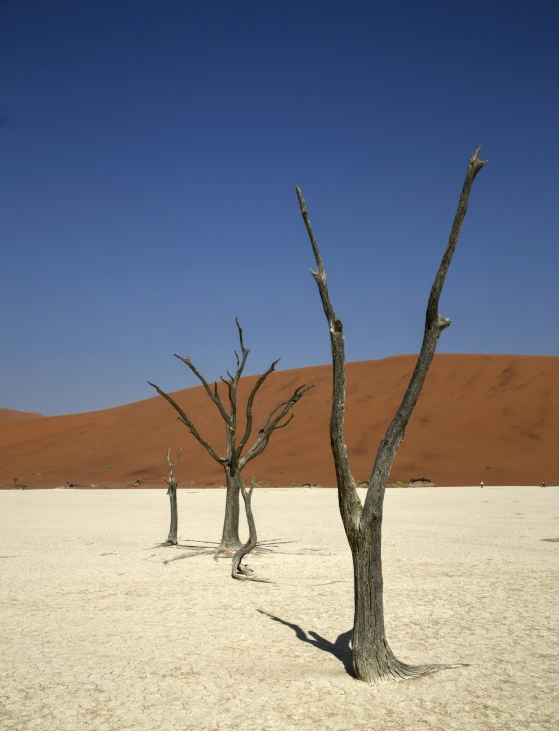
point(238, 571)
point(373, 660)
point(234, 460)
point(172, 493)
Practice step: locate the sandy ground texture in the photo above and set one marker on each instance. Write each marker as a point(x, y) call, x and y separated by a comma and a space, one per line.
point(99, 633)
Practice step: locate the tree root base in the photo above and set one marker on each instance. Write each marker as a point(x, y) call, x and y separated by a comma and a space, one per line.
point(400, 671)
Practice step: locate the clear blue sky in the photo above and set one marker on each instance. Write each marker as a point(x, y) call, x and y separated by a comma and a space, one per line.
point(148, 157)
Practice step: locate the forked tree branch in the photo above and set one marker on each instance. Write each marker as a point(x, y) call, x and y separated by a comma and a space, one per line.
point(250, 401)
point(173, 484)
point(186, 421)
point(232, 384)
point(434, 325)
point(272, 422)
point(170, 479)
point(214, 396)
point(350, 503)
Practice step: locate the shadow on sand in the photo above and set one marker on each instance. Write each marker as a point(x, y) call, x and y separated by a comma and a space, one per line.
point(340, 648)
point(201, 548)
point(269, 546)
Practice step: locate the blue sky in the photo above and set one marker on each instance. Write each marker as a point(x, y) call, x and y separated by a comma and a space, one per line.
point(149, 153)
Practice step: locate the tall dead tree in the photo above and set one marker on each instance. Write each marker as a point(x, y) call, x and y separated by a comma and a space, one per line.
point(234, 461)
point(172, 493)
point(373, 660)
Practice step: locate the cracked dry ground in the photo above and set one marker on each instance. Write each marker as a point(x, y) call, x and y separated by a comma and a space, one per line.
point(99, 634)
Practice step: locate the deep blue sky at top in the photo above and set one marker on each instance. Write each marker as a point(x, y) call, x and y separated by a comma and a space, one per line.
point(148, 157)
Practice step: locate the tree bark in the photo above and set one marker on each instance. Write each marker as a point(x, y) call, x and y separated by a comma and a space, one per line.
point(172, 493)
point(238, 571)
point(230, 542)
point(373, 660)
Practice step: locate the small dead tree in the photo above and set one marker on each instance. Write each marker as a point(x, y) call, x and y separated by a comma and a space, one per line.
point(234, 461)
point(238, 571)
point(373, 660)
point(172, 493)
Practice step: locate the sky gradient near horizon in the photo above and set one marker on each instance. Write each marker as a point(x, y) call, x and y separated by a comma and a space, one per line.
point(149, 153)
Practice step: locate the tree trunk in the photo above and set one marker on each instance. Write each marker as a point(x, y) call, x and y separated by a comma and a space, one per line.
point(172, 493)
point(230, 542)
point(373, 660)
point(238, 571)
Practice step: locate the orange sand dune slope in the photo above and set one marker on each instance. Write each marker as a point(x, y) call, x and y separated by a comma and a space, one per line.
point(11, 415)
point(480, 417)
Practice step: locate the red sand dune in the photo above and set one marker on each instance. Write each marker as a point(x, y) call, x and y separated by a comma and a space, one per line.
point(11, 415)
point(479, 417)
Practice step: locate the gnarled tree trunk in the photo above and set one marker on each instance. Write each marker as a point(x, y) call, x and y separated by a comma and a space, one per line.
point(230, 541)
point(238, 571)
point(373, 660)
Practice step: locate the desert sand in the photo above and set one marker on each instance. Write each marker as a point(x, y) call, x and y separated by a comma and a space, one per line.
point(479, 417)
point(100, 634)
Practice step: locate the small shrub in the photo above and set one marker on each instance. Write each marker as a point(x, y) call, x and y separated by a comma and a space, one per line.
point(109, 466)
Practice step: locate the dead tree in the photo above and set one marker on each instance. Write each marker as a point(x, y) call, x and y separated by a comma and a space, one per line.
point(234, 461)
point(172, 493)
point(373, 660)
point(238, 571)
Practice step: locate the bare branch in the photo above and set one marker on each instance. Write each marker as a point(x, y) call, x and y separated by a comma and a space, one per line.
point(434, 325)
point(281, 426)
point(186, 421)
point(250, 401)
point(228, 384)
point(240, 329)
point(271, 422)
point(244, 351)
point(350, 503)
point(213, 395)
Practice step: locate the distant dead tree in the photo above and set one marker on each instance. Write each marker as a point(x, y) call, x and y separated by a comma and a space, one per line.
point(172, 493)
point(234, 461)
point(373, 660)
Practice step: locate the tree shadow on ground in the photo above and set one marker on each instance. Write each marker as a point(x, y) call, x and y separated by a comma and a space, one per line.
point(201, 548)
point(269, 546)
point(340, 648)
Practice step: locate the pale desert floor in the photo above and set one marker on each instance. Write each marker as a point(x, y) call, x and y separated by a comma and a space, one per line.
point(98, 633)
